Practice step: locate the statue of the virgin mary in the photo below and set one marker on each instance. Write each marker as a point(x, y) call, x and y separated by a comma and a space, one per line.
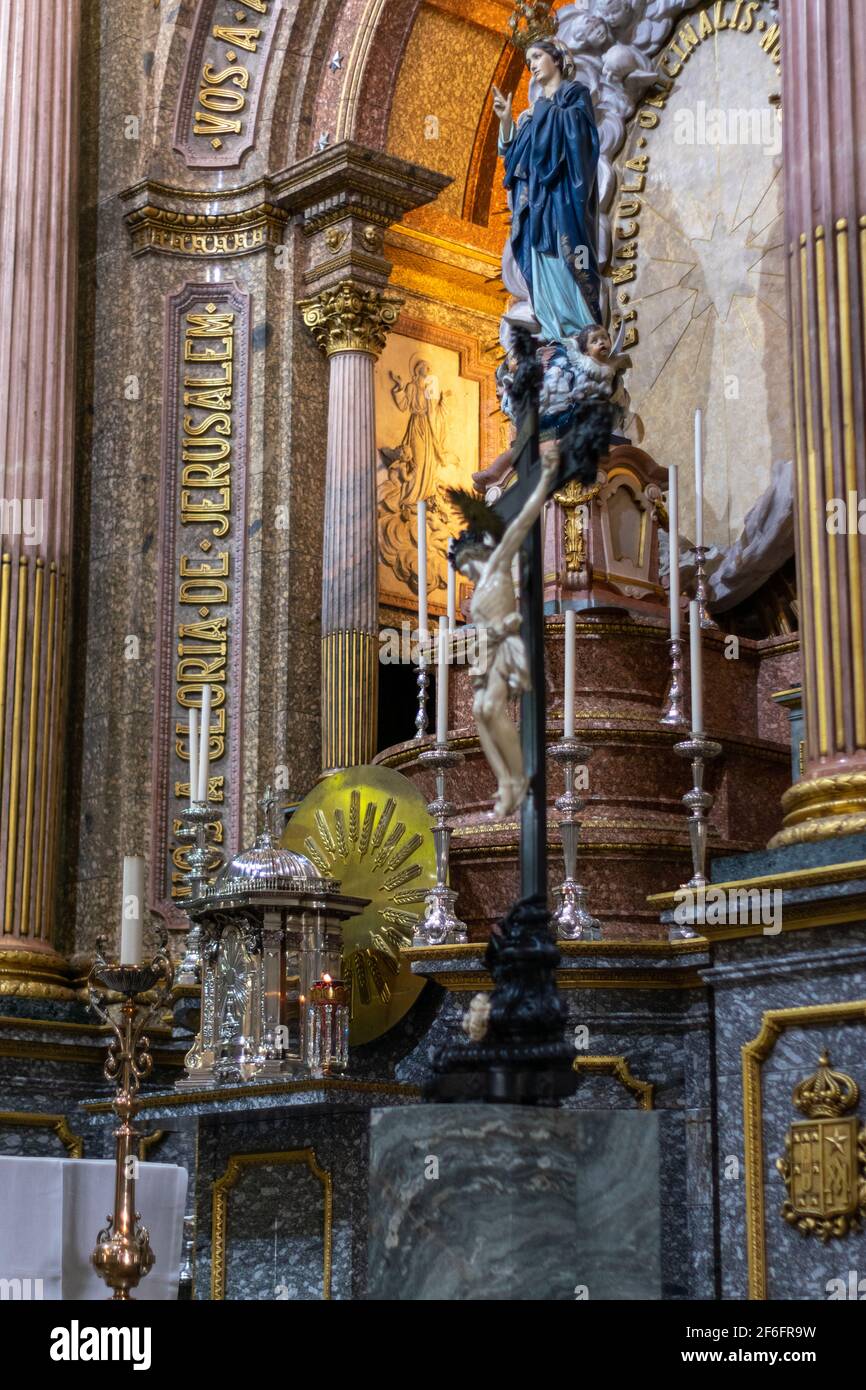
point(551, 158)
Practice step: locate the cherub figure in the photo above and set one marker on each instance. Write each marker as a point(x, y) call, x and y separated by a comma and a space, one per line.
point(598, 369)
point(484, 554)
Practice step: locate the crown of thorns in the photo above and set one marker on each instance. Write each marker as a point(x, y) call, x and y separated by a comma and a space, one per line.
point(484, 528)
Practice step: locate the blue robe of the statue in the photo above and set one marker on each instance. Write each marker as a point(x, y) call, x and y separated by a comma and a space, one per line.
point(551, 162)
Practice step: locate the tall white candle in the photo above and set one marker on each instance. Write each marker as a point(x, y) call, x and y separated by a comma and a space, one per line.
point(204, 746)
point(568, 694)
point(674, 546)
point(697, 667)
point(422, 570)
point(131, 911)
point(442, 684)
point(699, 477)
point(452, 596)
point(193, 754)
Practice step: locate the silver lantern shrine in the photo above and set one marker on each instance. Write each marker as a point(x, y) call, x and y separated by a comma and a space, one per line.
point(270, 928)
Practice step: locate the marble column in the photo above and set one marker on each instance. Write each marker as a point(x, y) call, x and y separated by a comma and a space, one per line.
point(350, 324)
point(824, 114)
point(38, 214)
point(346, 197)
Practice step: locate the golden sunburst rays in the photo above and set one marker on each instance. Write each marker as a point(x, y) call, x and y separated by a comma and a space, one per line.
point(369, 829)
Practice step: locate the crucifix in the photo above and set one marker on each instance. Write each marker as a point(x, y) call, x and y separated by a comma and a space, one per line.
point(524, 1057)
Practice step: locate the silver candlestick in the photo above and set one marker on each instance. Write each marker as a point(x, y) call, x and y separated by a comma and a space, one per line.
point(698, 802)
point(423, 679)
point(440, 924)
point(196, 817)
point(572, 919)
point(674, 715)
point(701, 586)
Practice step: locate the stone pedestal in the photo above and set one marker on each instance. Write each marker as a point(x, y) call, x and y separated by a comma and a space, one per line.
point(513, 1203)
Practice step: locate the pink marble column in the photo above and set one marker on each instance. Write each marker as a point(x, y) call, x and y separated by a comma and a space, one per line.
point(824, 117)
point(349, 574)
point(39, 40)
point(350, 323)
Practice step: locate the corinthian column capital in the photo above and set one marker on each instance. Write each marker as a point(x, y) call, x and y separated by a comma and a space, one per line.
point(351, 318)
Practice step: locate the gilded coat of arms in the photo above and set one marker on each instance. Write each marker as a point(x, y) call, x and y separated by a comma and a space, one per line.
point(824, 1168)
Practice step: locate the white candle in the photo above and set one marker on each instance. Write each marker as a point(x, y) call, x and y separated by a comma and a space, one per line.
point(452, 596)
point(697, 670)
point(204, 746)
point(568, 695)
point(193, 754)
point(422, 571)
point(442, 684)
point(674, 546)
point(699, 477)
point(131, 911)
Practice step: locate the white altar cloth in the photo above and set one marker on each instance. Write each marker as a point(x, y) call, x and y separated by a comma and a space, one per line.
point(51, 1210)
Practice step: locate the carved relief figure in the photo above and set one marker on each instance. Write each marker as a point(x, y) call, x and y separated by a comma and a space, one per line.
point(432, 454)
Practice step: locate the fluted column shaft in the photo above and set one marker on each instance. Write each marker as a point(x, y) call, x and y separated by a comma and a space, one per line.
point(824, 113)
point(349, 574)
point(350, 323)
point(38, 216)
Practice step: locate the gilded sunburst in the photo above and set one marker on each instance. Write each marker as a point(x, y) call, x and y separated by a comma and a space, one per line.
point(369, 828)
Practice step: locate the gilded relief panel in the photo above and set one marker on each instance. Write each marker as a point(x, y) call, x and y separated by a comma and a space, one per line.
point(428, 436)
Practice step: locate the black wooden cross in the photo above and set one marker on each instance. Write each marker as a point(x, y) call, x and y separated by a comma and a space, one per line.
point(524, 1058)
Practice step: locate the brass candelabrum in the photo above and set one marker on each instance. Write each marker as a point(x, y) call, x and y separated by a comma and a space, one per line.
point(699, 802)
point(123, 1254)
point(440, 924)
point(196, 818)
point(572, 919)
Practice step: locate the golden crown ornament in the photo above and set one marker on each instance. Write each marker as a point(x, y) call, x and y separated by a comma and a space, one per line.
point(826, 1094)
point(531, 21)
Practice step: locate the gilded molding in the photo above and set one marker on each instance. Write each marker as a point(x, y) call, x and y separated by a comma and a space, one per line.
point(150, 1141)
point(475, 949)
point(472, 981)
point(270, 1088)
point(26, 1119)
point(816, 877)
point(182, 233)
point(823, 808)
point(236, 1167)
point(618, 1067)
point(351, 318)
point(34, 975)
point(774, 1023)
point(75, 1053)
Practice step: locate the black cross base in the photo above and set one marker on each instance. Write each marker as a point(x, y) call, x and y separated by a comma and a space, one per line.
point(524, 1058)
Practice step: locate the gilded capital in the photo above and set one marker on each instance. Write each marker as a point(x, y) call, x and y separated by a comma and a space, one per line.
point(351, 318)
